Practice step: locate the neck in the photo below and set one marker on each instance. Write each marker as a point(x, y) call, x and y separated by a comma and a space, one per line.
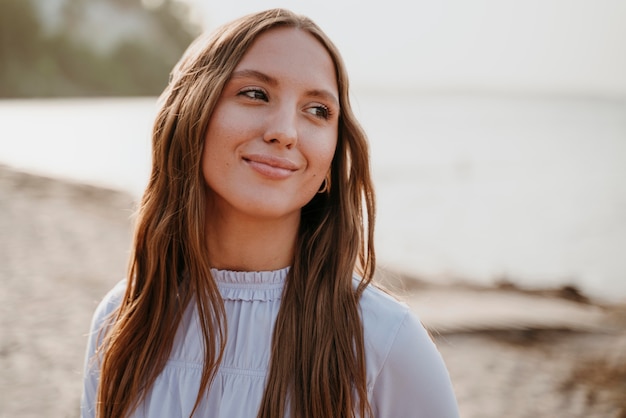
point(241, 243)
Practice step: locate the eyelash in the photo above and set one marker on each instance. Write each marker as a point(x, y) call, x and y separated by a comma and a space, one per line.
point(260, 94)
point(256, 93)
point(326, 112)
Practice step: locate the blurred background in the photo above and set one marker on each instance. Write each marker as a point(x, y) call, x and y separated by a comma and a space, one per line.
point(498, 128)
point(498, 139)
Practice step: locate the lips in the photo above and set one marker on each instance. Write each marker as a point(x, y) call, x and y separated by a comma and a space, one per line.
point(271, 166)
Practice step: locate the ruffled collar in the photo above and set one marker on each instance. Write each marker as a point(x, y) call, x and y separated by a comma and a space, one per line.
point(250, 285)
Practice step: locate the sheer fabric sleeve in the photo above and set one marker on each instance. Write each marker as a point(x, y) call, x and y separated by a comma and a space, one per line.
point(413, 381)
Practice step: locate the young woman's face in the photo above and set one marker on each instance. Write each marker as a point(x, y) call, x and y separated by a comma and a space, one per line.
point(273, 133)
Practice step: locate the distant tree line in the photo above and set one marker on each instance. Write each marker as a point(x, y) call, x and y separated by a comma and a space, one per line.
point(35, 63)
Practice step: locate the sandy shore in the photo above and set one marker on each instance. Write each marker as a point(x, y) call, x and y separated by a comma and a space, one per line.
point(510, 353)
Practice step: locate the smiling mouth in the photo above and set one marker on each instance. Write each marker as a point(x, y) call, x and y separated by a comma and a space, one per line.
point(270, 166)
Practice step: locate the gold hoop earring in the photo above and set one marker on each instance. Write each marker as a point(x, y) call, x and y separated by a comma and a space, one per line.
point(325, 187)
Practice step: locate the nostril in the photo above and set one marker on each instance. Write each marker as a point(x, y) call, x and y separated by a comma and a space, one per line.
point(281, 137)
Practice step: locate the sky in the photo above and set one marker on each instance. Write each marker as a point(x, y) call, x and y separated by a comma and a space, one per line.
point(549, 47)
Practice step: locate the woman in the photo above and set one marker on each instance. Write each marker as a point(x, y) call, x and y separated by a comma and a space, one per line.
point(248, 292)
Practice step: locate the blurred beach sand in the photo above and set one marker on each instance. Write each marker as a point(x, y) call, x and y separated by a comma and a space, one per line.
point(510, 352)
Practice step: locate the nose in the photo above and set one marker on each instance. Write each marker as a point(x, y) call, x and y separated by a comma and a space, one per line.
point(281, 128)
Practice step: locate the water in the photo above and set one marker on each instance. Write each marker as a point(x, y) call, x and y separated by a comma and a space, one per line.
point(99, 141)
point(472, 188)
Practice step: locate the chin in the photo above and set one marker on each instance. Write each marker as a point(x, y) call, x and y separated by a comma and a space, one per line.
point(269, 211)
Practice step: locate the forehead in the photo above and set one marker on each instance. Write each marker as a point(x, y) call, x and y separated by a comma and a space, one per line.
point(291, 54)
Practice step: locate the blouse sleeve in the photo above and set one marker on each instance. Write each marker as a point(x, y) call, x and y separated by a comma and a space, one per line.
point(91, 374)
point(413, 381)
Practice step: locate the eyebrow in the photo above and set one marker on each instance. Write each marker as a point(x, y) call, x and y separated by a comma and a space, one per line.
point(319, 93)
point(255, 74)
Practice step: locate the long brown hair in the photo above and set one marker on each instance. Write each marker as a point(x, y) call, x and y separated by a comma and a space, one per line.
point(317, 365)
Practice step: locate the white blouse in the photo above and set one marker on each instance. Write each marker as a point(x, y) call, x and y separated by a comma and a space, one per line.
point(406, 376)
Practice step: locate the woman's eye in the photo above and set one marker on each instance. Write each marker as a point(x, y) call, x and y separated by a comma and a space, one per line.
point(255, 94)
point(320, 111)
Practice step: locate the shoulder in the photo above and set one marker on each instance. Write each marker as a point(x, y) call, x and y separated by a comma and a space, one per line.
point(406, 375)
point(377, 303)
point(385, 319)
point(113, 297)
point(382, 314)
point(103, 313)
point(101, 319)
point(110, 302)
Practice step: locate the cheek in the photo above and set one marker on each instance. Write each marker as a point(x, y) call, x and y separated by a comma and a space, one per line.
point(212, 162)
point(220, 142)
point(325, 155)
point(321, 164)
